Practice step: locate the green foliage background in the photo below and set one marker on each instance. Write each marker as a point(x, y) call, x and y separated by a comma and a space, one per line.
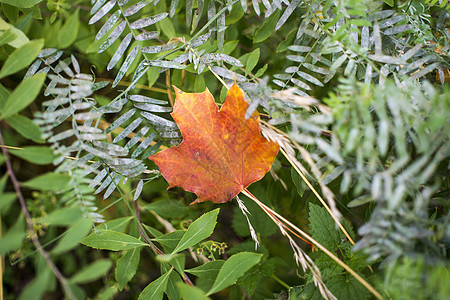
point(357, 90)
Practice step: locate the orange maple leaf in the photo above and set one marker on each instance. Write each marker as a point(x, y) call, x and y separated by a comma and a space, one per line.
point(221, 153)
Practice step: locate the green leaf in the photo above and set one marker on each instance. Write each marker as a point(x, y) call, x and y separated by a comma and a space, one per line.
point(166, 26)
point(73, 236)
point(250, 279)
point(323, 228)
point(288, 41)
point(48, 182)
point(7, 200)
point(168, 208)
point(155, 290)
point(267, 28)
point(208, 270)
point(347, 287)
point(4, 94)
point(119, 224)
point(233, 268)
point(62, 216)
point(40, 284)
point(21, 3)
point(12, 240)
point(235, 15)
point(10, 12)
point(21, 39)
point(170, 240)
point(7, 37)
point(304, 292)
point(112, 240)
point(252, 61)
point(23, 95)
point(126, 266)
point(260, 222)
point(176, 260)
point(261, 71)
point(39, 155)
point(92, 271)
point(171, 289)
point(199, 230)
point(25, 127)
point(191, 292)
point(21, 57)
point(298, 182)
point(69, 31)
point(107, 293)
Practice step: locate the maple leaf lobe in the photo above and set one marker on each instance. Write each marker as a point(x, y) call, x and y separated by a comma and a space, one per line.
point(221, 153)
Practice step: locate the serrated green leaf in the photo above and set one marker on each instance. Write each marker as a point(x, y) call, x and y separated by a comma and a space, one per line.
point(155, 290)
point(23, 95)
point(191, 292)
point(127, 266)
point(250, 279)
point(92, 272)
point(112, 240)
point(21, 57)
point(25, 127)
point(347, 287)
point(267, 28)
point(304, 292)
point(323, 228)
point(39, 155)
point(48, 182)
point(199, 230)
point(69, 31)
point(252, 61)
point(233, 268)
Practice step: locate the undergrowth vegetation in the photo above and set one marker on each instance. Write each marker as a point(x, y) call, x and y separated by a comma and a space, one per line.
point(356, 203)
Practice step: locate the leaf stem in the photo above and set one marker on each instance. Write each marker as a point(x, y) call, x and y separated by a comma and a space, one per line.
point(277, 279)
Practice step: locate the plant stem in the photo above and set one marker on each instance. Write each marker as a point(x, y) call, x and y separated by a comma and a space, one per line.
point(325, 250)
point(34, 239)
point(281, 281)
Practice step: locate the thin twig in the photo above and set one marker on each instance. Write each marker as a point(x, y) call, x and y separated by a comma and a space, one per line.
point(29, 221)
point(300, 173)
point(150, 243)
point(306, 236)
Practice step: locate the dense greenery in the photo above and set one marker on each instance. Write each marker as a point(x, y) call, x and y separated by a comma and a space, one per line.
point(355, 92)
